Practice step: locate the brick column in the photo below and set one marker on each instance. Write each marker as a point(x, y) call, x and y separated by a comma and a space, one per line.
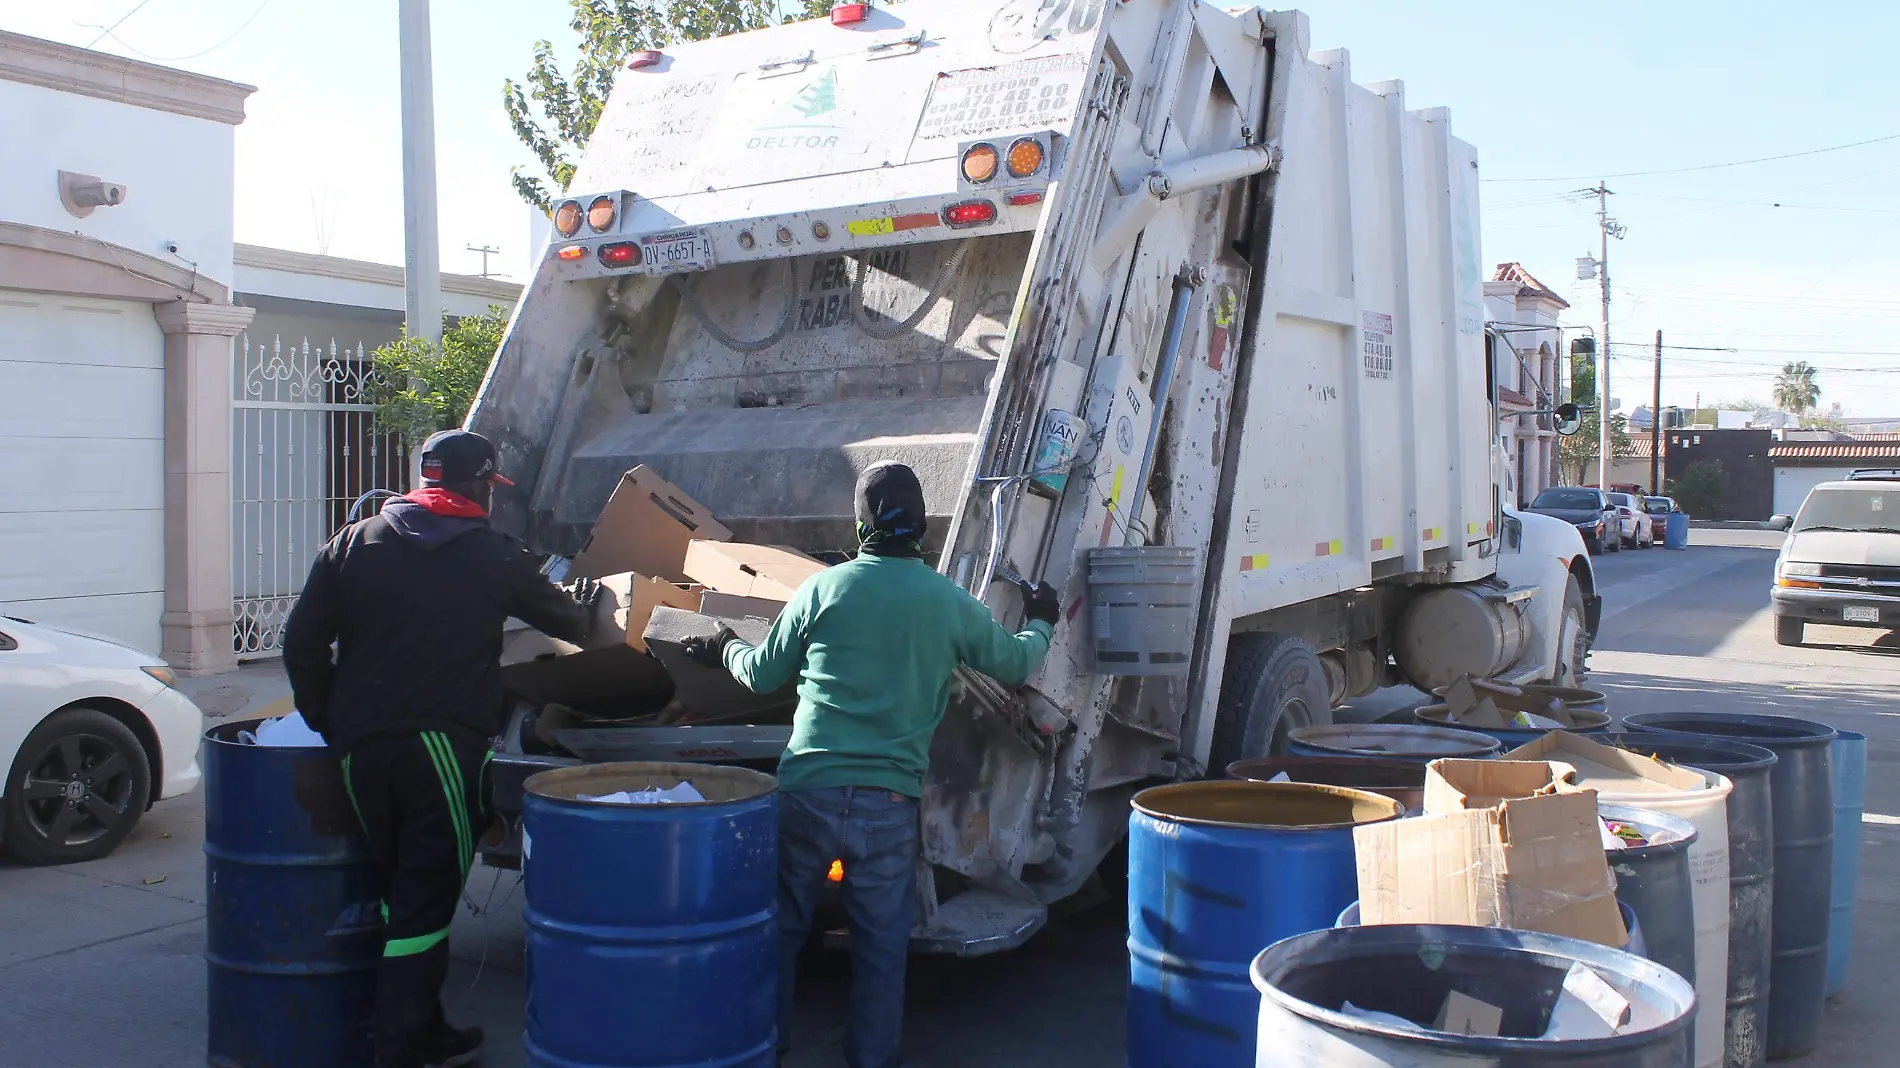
point(195, 630)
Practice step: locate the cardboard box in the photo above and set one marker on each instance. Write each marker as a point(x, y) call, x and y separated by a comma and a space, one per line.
point(711, 694)
point(773, 572)
point(633, 598)
point(733, 606)
point(1595, 766)
point(645, 528)
point(1501, 844)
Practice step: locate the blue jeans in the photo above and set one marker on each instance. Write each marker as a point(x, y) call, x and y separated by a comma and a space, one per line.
point(874, 832)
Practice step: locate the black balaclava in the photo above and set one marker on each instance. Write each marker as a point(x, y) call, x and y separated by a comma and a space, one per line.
point(890, 511)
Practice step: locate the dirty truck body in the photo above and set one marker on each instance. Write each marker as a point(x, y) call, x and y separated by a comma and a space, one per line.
point(1235, 306)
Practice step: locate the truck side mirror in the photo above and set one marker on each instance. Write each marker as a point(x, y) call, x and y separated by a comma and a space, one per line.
point(1569, 419)
point(1780, 522)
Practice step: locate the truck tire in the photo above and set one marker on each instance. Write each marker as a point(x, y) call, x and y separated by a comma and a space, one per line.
point(1789, 630)
point(1577, 625)
point(1273, 683)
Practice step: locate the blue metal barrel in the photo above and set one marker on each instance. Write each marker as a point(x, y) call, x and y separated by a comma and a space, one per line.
point(1391, 741)
point(293, 918)
point(1676, 531)
point(1850, 793)
point(1585, 722)
point(1803, 792)
point(1408, 970)
point(652, 929)
point(1216, 872)
point(1653, 880)
point(1751, 873)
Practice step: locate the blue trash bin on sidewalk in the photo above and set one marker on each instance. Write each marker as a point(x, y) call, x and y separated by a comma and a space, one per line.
point(293, 922)
point(1676, 531)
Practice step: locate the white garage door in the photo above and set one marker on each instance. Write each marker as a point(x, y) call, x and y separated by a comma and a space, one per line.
point(82, 465)
point(1793, 483)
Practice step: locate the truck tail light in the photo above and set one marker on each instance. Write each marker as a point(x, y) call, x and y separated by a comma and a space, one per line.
point(1017, 200)
point(979, 163)
point(571, 252)
point(567, 218)
point(620, 254)
point(970, 213)
point(846, 14)
point(1025, 157)
point(600, 214)
point(644, 58)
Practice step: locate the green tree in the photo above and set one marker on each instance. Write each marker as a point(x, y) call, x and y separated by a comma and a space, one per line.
point(554, 112)
point(1795, 388)
point(1578, 452)
point(1698, 490)
point(419, 388)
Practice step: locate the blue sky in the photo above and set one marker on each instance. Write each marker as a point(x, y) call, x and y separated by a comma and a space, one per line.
point(1573, 93)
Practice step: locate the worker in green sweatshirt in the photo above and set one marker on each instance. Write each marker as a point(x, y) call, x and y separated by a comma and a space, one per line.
point(873, 643)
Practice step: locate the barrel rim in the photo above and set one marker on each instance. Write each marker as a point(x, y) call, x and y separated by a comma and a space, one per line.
point(1432, 716)
point(756, 778)
point(1798, 732)
point(1624, 812)
point(1754, 757)
point(1482, 743)
point(1527, 942)
point(1267, 788)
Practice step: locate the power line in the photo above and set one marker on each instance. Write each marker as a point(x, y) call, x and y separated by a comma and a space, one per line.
point(104, 33)
point(232, 36)
point(1705, 166)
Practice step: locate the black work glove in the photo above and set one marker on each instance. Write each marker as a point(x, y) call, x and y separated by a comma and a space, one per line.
point(710, 651)
point(1043, 603)
point(586, 593)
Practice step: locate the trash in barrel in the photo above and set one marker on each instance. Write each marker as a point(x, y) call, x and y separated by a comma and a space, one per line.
point(1652, 878)
point(1750, 810)
point(1637, 945)
point(1803, 793)
point(293, 916)
point(1377, 997)
point(1850, 792)
point(1401, 780)
point(1395, 741)
point(652, 934)
point(1217, 871)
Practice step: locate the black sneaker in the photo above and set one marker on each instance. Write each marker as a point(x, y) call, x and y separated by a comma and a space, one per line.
point(452, 1046)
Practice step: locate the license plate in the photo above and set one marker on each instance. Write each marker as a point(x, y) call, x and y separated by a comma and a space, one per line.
point(680, 250)
point(1859, 614)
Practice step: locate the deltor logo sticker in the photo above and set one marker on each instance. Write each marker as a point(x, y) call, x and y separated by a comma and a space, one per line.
point(806, 119)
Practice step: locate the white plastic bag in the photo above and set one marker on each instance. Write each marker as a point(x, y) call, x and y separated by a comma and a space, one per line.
point(652, 795)
point(288, 732)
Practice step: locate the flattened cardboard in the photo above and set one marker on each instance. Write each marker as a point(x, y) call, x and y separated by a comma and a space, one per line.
point(709, 693)
point(1463, 1014)
point(612, 677)
point(1501, 844)
point(645, 528)
point(1596, 766)
point(773, 572)
point(733, 606)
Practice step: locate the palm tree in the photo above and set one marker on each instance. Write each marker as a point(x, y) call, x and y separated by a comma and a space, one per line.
point(1795, 391)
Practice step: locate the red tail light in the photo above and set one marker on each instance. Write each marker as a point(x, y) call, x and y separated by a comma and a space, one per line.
point(846, 14)
point(620, 254)
point(970, 213)
point(644, 58)
point(1019, 199)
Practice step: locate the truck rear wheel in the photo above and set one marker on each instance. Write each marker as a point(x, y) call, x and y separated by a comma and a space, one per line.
point(1273, 683)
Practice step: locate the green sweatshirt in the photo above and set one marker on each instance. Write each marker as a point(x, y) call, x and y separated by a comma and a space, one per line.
point(874, 642)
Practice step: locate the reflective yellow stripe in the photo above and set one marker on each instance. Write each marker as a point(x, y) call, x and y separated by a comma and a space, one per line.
point(407, 947)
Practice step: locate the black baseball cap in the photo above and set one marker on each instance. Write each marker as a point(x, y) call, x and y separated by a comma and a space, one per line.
point(460, 456)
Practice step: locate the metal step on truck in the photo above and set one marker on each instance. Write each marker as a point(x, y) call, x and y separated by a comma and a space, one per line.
point(1162, 309)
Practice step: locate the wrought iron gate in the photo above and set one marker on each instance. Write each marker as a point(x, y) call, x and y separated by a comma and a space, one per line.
point(304, 447)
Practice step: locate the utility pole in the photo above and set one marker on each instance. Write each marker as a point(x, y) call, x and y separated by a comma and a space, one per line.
point(1599, 268)
point(421, 261)
point(486, 251)
point(1655, 425)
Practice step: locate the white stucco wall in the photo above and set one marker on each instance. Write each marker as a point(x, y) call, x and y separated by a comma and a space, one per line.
point(1793, 483)
point(177, 171)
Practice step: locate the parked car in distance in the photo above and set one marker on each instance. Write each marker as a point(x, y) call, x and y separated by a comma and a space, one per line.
point(91, 733)
point(1840, 563)
point(1659, 509)
point(1874, 474)
point(1587, 509)
point(1632, 522)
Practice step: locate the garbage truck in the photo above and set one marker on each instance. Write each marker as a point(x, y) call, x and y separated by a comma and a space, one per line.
point(1164, 310)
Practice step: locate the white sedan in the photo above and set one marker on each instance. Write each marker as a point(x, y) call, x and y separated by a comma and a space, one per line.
point(91, 734)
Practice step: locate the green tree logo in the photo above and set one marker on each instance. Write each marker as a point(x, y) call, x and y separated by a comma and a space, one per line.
point(818, 97)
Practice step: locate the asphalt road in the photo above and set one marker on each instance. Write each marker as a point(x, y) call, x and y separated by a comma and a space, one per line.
point(100, 964)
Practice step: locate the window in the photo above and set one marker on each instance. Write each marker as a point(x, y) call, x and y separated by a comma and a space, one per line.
point(1850, 508)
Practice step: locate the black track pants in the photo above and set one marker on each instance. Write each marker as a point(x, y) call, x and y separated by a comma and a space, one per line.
point(423, 801)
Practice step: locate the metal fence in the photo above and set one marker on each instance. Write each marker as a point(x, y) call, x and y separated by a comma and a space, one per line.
point(304, 447)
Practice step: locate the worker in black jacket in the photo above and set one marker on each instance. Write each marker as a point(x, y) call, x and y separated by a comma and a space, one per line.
point(414, 600)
